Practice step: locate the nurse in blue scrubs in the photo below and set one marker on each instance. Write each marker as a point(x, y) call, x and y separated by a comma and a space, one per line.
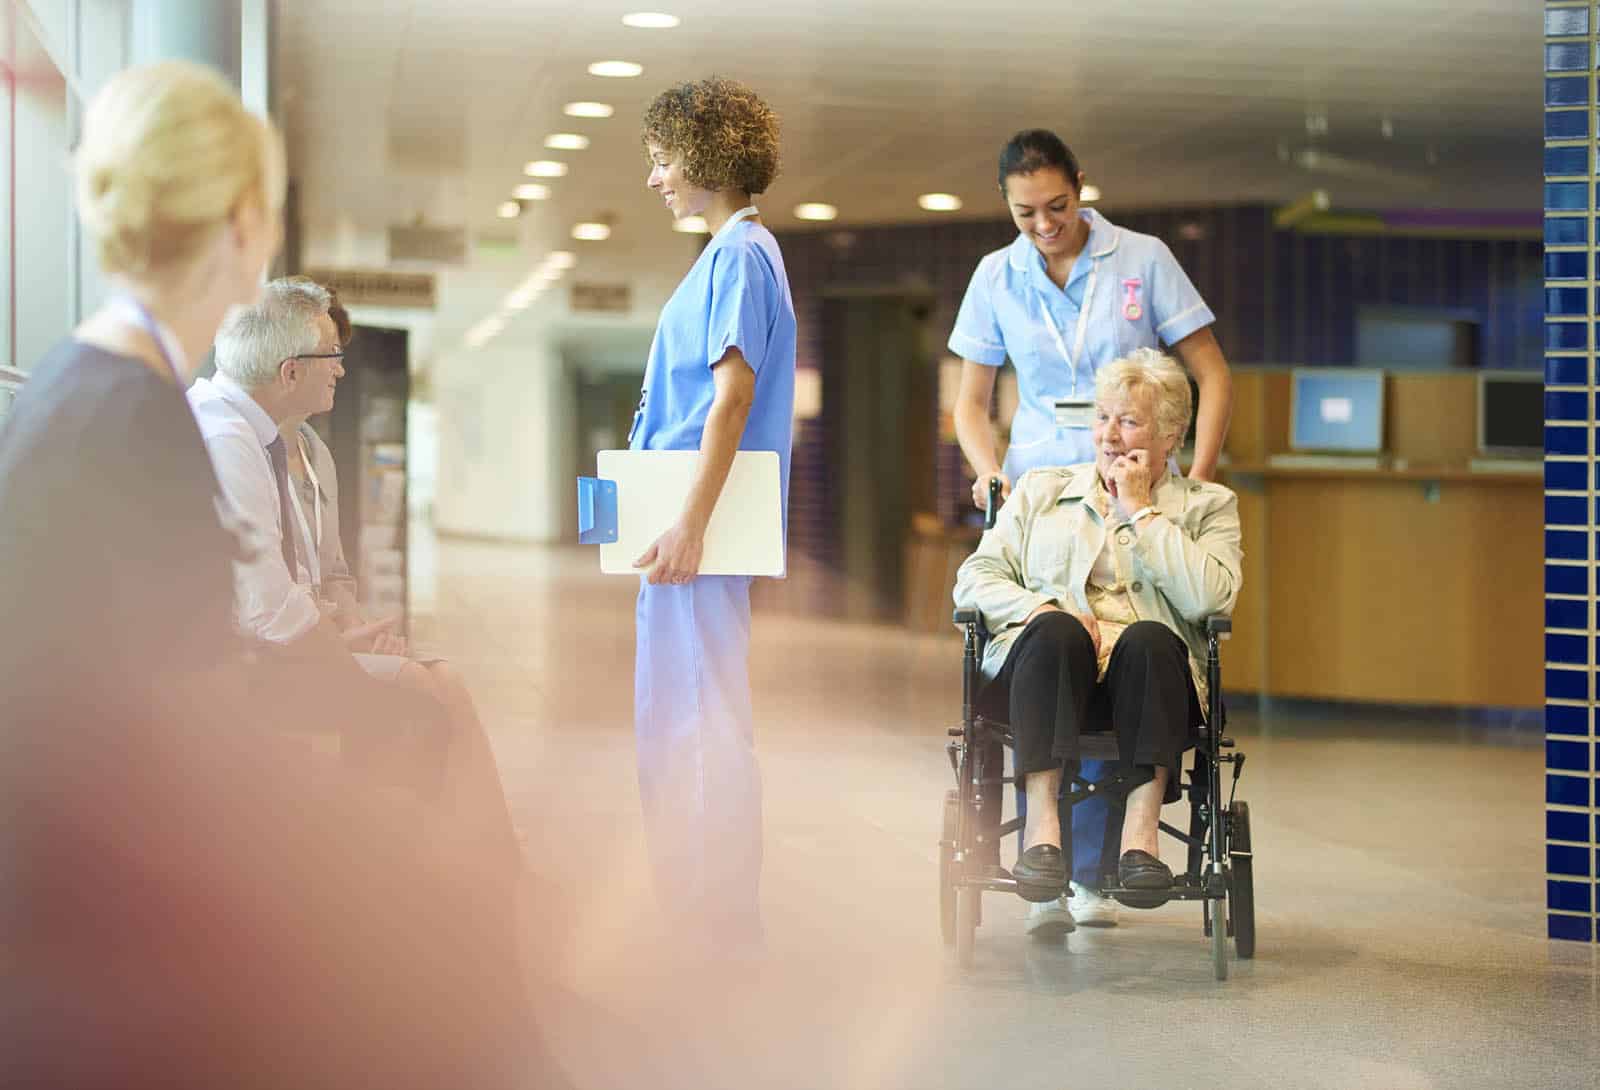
point(1071, 294)
point(720, 379)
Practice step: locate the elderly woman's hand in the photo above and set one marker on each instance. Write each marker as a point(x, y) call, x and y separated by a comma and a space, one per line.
point(1086, 619)
point(1133, 475)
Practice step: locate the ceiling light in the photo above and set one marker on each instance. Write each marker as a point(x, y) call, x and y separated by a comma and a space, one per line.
point(561, 259)
point(522, 298)
point(531, 191)
point(1089, 193)
point(566, 141)
point(939, 202)
point(545, 168)
point(616, 69)
point(815, 211)
point(692, 225)
point(509, 210)
point(588, 109)
point(591, 232)
point(651, 20)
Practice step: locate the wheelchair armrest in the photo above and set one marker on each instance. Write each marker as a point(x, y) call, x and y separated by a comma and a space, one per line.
point(1219, 624)
point(967, 616)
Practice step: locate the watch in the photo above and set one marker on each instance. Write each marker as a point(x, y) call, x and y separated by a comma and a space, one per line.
point(1133, 519)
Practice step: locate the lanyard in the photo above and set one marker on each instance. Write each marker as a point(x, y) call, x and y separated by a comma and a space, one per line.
point(313, 552)
point(744, 213)
point(165, 342)
point(1083, 325)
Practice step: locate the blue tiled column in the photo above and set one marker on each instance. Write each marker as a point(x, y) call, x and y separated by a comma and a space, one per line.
point(1572, 752)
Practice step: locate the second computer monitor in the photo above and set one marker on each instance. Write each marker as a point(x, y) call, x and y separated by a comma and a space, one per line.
point(1511, 414)
point(1338, 410)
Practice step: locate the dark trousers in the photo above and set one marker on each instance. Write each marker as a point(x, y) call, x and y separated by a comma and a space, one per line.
point(1048, 692)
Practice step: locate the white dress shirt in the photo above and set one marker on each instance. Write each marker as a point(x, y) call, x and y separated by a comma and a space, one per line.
point(267, 601)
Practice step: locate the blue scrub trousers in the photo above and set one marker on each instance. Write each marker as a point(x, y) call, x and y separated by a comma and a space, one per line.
point(698, 777)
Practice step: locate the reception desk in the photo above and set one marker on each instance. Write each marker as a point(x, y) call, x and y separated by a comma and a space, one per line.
point(1418, 582)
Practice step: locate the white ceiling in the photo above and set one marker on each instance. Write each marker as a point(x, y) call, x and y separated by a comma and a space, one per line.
point(404, 108)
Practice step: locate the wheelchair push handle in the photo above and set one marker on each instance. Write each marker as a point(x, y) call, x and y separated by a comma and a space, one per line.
point(991, 509)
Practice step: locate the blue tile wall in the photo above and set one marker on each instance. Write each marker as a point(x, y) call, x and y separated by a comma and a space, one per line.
point(1566, 57)
point(1565, 544)
point(1569, 896)
point(1566, 405)
point(1566, 22)
point(1566, 476)
point(1566, 91)
point(1566, 161)
point(1566, 790)
point(1566, 371)
point(1568, 859)
point(1566, 579)
point(1562, 684)
point(1567, 757)
point(1566, 196)
point(1566, 231)
point(1566, 125)
point(1572, 928)
point(1566, 510)
point(1566, 613)
point(1566, 719)
point(1566, 302)
point(1570, 825)
point(1565, 265)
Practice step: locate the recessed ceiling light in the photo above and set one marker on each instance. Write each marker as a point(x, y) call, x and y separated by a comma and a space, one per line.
point(509, 210)
point(651, 20)
point(1089, 193)
point(591, 232)
point(939, 202)
point(814, 211)
point(616, 69)
point(588, 109)
point(523, 298)
point(566, 141)
point(545, 168)
point(531, 191)
point(561, 259)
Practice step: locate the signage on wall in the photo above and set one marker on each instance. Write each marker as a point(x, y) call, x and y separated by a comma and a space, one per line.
point(606, 298)
point(378, 287)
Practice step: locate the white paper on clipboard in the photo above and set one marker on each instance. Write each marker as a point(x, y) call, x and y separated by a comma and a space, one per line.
point(745, 536)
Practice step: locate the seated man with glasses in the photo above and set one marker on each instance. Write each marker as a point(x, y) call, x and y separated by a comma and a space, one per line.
point(280, 361)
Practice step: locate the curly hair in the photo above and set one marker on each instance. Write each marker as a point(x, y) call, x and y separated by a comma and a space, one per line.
point(726, 135)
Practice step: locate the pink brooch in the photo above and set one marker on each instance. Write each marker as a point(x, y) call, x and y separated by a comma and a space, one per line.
point(1131, 309)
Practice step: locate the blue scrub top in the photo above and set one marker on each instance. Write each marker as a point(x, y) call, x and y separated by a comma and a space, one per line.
point(1001, 317)
point(736, 295)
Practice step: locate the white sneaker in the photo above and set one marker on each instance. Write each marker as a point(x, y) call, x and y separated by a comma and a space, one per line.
point(1089, 908)
point(1049, 921)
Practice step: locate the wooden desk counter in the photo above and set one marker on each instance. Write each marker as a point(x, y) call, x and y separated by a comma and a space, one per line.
point(1417, 585)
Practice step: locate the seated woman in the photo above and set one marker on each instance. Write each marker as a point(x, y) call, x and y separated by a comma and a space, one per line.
point(1096, 581)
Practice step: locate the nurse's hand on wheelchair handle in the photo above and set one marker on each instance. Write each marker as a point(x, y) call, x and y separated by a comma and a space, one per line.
point(980, 489)
point(675, 556)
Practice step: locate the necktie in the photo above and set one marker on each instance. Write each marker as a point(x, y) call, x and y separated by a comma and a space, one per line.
point(280, 470)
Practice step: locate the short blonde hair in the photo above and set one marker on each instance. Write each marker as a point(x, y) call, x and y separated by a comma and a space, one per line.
point(168, 154)
point(726, 134)
point(1147, 370)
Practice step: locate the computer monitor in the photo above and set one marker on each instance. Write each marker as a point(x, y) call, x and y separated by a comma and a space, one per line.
point(1511, 414)
point(1336, 410)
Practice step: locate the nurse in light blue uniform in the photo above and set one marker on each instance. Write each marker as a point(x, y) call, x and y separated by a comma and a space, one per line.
point(720, 379)
point(1071, 294)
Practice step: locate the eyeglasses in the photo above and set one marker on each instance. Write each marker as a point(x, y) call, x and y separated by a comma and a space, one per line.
point(320, 356)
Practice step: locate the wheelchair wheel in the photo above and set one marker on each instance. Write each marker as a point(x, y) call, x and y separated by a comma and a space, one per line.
point(947, 866)
point(1241, 887)
point(1217, 924)
point(968, 900)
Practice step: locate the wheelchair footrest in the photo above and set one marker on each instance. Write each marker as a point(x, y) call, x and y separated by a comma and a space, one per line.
point(1186, 888)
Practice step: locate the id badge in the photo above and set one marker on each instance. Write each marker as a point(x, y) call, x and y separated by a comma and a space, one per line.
point(1074, 413)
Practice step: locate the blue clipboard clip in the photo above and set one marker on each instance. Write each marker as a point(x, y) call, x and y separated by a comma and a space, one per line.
point(597, 511)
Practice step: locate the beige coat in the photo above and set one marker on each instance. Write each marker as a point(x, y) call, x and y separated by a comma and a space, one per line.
point(1185, 562)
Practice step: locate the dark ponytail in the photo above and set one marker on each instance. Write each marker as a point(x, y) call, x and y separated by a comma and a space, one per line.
point(1036, 149)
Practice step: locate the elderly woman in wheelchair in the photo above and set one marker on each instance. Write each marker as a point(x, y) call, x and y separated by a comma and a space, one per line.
point(1095, 583)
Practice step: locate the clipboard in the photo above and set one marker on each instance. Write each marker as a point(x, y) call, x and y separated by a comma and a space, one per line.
point(639, 494)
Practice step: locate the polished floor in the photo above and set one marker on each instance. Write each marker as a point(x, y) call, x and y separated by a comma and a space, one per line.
point(1399, 876)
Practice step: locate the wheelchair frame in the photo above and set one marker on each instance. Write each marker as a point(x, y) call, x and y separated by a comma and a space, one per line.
point(1219, 873)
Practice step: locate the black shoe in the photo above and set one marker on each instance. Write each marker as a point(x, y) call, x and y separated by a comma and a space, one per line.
point(1141, 870)
point(1041, 873)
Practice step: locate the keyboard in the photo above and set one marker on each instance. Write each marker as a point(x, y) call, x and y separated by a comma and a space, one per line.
point(1325, 461)
point(1529, 467)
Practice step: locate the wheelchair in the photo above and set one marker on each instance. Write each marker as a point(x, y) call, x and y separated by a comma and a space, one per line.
point(1220, 867)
